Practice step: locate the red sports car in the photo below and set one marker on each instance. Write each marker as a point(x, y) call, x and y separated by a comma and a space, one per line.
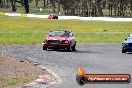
point(52, 16)
point(60, 39)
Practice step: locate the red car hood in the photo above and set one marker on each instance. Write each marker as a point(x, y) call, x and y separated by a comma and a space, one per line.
point(56, 38)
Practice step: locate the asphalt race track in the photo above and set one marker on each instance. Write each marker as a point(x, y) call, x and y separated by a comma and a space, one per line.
point(95, 58)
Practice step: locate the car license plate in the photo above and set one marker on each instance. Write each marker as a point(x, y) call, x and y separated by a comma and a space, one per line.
point(54, 43)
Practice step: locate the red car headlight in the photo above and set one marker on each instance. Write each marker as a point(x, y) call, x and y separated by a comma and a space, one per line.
point(66, 41)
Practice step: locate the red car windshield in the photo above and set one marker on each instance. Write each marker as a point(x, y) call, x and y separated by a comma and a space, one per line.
point(58, 33)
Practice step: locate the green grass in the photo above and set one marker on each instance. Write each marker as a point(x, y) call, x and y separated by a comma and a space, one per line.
point(12, 81)
point(17, 30)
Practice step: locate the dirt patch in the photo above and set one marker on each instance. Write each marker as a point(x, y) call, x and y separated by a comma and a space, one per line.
point(15, 72)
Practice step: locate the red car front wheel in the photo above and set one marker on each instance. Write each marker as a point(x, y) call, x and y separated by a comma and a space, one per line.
point(71, 48)
point(44, 48)
point(74, 48)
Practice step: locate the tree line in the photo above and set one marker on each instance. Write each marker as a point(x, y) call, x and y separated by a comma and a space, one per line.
point(87, 8)
point(12, 4)
point(98, 8)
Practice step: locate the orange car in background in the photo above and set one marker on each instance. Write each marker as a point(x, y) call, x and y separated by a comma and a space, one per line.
point(52, 16)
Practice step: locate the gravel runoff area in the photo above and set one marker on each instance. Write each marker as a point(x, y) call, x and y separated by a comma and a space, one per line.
point(19, 73)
